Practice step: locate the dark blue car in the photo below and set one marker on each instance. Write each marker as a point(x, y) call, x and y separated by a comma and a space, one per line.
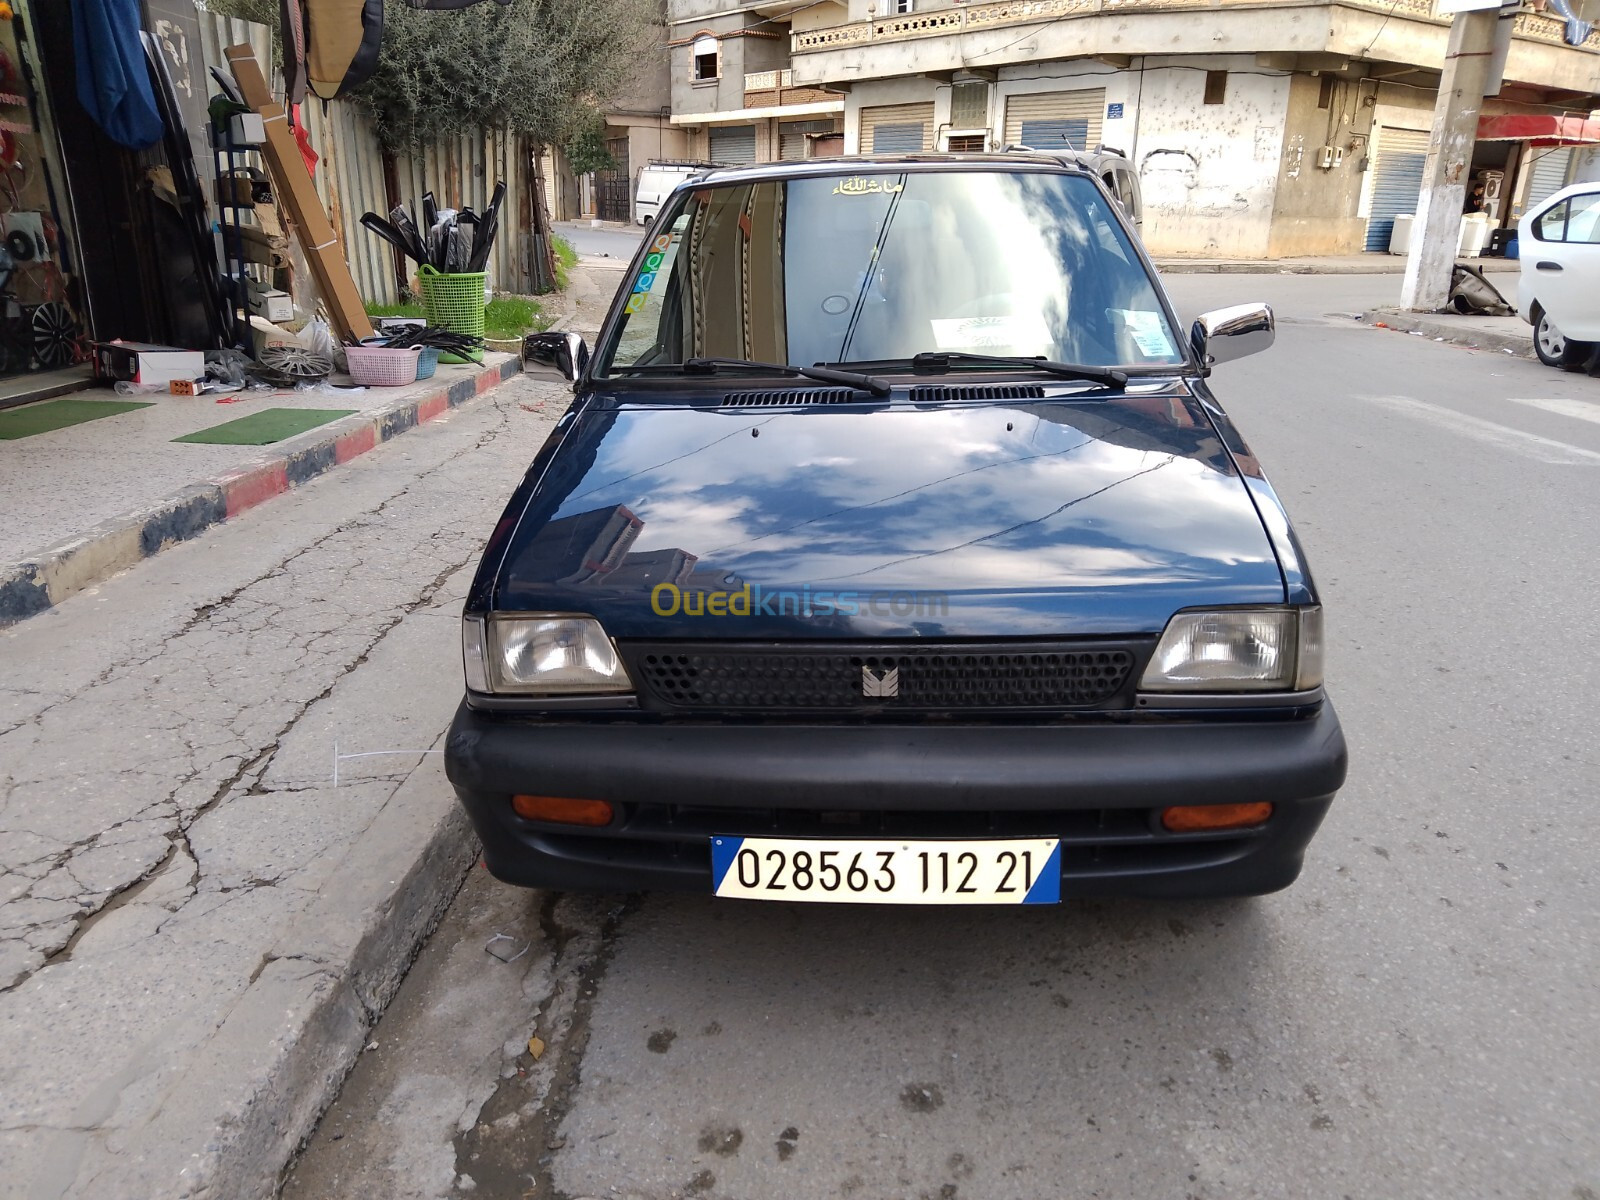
point(894, 549)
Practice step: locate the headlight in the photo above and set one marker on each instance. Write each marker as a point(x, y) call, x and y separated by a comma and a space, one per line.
point(1229, 650)
point(541, 655)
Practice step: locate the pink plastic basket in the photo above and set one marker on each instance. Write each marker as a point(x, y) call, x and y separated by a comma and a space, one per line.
point(382, 366)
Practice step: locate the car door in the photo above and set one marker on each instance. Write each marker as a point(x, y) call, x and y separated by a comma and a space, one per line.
point(1564, 258)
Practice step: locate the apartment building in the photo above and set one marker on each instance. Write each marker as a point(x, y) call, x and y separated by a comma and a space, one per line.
point(1260, 128)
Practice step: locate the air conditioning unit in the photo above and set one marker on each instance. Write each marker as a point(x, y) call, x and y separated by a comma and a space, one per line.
point(23, 234)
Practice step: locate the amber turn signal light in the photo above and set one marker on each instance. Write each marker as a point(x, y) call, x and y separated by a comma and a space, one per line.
point(563, 810)
point(1203, 818)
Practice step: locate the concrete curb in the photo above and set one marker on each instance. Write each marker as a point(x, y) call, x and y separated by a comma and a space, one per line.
point(45, 579)
point(254, 1090)
point(1477, 339)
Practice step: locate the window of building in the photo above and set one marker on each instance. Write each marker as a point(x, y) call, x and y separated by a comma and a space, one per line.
point(968, 143)
point(707, 59)
point(1216, 87)
point(900, 6)
point(1325, 92)
point(969, 106)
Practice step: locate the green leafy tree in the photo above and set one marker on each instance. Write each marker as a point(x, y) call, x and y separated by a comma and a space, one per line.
point(541, 68)
point(585, 146)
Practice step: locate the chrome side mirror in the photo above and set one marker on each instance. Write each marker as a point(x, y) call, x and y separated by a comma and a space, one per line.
point(1227, 333)
point(560, 357)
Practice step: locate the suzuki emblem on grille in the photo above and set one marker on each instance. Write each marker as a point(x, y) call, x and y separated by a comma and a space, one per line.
point(875, 684)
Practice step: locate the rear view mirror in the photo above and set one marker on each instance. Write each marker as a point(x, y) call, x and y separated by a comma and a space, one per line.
point(554, 356)
point(1228, 333)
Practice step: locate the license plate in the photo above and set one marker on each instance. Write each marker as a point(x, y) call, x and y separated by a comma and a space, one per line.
point(858, 871)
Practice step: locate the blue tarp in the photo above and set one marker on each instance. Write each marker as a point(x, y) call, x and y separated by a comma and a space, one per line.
point(113, 76)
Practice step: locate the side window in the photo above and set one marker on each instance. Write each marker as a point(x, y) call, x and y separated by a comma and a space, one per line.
point(1552, 226)
point(1583, 219)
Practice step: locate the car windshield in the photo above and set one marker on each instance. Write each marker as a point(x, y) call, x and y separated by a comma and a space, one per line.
point(882, 266)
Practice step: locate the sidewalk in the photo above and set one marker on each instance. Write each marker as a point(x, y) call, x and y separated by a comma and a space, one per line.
point(1511, 335)
point(1331, 264)
point(226, 824)
point(89, 500)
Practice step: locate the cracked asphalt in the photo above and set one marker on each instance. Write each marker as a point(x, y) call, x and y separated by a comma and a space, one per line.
point(167, 763)
point(1413, 1018)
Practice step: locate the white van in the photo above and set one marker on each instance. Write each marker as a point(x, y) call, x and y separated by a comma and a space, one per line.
point(656, 181)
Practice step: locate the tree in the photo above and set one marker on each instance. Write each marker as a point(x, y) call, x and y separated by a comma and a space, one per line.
point(542, 68)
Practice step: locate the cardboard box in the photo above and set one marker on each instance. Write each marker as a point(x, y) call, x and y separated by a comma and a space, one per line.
point(270, 302)
point(140, 362)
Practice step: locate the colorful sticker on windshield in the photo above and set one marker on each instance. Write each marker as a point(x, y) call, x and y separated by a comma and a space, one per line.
point(1016, 332)
point(645, 282)
point(635, 302)
point(1146, 331)
point(858, 185)
point(661, 243)
point(652, 263)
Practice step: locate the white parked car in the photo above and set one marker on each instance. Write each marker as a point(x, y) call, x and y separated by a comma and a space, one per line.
point(1559, 291)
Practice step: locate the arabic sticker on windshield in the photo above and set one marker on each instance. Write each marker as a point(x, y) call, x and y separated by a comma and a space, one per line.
point(1146, 331)
point(1023, 333)
point(858, 185)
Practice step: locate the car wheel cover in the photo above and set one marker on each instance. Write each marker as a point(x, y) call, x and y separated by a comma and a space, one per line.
point(1550, 339)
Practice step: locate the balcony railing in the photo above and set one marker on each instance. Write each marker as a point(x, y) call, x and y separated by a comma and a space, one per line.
point(774, 89)
point(762, 81)
point(1540, 27)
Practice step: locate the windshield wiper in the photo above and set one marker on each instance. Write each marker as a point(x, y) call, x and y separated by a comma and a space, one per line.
point(939, 362)
point(710, 366)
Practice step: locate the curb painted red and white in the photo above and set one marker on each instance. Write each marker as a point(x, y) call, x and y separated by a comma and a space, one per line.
point(43, 581)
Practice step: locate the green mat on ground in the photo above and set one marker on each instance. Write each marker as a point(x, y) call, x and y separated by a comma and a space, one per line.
point(268, 425)
point(58, 414)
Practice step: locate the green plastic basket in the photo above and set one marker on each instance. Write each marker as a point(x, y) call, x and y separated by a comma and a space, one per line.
point(454, 302)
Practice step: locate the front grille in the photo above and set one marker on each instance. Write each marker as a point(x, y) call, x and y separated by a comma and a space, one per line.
point(799, 677)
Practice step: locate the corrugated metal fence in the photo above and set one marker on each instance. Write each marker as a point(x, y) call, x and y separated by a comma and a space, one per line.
point(460, 171)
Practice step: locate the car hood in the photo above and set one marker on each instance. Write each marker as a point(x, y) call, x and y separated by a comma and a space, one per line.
point(959, 520)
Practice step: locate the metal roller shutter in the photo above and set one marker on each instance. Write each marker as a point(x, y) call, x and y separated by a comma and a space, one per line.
point(1548, 174)
point(1056, 120)
point(733, 145)
point(1396, 181)
point(897, 128)
point(792, 137)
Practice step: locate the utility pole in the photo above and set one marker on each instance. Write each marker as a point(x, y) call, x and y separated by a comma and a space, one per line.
point(1468, 66)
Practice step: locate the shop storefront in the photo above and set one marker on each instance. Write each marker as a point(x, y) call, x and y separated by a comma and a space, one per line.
point(41, 302)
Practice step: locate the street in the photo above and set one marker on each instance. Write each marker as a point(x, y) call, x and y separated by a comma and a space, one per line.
point(1413, 1018)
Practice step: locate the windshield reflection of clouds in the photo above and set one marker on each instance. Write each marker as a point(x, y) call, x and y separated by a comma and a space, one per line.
point(1071, 496)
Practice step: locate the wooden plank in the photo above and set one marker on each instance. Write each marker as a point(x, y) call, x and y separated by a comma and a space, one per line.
point(294, 188)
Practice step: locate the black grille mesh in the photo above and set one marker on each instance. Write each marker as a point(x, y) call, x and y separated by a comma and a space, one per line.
point(986, 391)
point(782, 679)
point(790, 398)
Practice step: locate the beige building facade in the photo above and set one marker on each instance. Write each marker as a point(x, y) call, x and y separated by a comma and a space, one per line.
point(1258, 130)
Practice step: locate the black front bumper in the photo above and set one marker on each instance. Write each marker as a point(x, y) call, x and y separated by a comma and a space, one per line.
point(1099, 787)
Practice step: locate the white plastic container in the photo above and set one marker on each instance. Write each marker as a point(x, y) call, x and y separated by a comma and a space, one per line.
point(1400, 235)
point(1474, 234)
